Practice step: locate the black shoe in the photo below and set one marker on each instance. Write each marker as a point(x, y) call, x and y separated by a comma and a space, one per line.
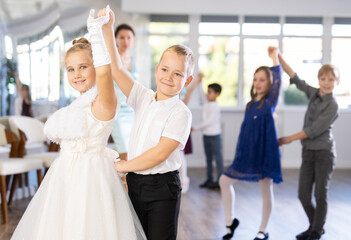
point(304, 235)
point(206, 184)
point(214, 185)
point(314, 235)
point(266, 236)
point(232, 228)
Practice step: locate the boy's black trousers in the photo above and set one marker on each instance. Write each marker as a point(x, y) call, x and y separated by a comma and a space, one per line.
point(156, 200)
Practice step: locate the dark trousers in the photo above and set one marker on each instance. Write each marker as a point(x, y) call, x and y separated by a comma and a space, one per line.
point(156, 200)
point(316, 169)
point(213, 149)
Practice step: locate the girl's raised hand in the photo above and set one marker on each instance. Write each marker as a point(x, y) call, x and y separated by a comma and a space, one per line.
point(102, 18)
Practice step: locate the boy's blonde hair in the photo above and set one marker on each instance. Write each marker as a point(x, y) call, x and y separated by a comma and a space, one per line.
point(329, 68)
point(79, 45)
point(182, 50)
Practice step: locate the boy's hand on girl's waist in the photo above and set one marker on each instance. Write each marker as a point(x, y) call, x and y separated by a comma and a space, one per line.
point(120, 166)
point(284, 140)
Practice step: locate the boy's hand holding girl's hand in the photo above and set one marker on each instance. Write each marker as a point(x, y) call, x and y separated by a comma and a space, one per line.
point(107, 13)
point(273, 51)
point(103, 17)
point(273, 54)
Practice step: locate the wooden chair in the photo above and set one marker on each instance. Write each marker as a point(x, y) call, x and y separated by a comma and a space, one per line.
point(14, 166)
point(30, 131)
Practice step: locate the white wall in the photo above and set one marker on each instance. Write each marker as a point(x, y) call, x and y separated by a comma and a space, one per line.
point(288, 121)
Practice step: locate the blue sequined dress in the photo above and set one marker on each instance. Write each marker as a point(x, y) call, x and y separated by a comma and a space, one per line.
point(257, 152)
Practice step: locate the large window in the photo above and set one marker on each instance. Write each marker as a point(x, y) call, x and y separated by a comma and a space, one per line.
point(261, 26)
point(255, 55)
point(8, 47)
point(302, 49)
point(340, 55)
point(231, 48)
point(39, 65)
point(341, 50)
point(304, 55)
point(258, 33)
point(219, 56)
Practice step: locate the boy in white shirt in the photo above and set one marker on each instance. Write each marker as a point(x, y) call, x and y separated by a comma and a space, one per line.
point(160, 130)
point(211, 129)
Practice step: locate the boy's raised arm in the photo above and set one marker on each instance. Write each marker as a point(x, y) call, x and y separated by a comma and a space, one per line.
point(192, 87)
point(286, 66)
point(124, 81)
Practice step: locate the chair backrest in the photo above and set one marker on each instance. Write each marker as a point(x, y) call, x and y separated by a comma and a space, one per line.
point(8, 137)
point(3, 139)
point(5, 121)
point(31, 127)
point(43, 118)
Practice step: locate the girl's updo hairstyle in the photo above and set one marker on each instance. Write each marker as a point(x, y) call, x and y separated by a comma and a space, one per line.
point(80, 45)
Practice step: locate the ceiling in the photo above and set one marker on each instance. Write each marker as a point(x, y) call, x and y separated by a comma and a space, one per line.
point(11, 10)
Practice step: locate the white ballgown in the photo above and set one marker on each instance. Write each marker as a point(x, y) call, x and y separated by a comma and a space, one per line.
point(82, 196)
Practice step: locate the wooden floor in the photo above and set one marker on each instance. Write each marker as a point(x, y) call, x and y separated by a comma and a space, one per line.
point(202, 215)
point(202, 218)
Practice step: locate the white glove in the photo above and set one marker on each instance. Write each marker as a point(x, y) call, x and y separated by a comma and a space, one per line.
point(100, 53)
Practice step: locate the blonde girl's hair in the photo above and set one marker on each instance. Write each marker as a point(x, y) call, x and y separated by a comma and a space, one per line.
point(80, 45)
point(253, 93)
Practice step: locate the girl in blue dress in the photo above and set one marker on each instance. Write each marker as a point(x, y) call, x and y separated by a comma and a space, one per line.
point(257, 156)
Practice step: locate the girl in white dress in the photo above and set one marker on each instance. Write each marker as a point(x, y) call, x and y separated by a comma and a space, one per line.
point(82, 197)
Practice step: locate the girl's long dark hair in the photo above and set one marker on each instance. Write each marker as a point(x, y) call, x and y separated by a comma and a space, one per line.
point(253, 93)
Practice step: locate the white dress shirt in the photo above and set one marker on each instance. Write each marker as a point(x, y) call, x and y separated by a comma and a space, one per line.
point(155, 119)
point(211, 117)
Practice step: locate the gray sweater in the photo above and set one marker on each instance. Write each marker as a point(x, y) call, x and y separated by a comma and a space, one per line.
point(321, 113)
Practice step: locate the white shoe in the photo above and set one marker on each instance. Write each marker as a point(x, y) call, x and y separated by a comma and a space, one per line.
point(185, 185)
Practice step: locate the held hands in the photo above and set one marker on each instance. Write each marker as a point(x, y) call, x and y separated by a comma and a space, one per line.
point(107, 13)
point(273, 54)
point(100, 53)
point(95, 24)
point(284, 140)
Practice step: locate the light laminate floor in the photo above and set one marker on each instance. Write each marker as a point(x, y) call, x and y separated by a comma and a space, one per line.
point(202, 217)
